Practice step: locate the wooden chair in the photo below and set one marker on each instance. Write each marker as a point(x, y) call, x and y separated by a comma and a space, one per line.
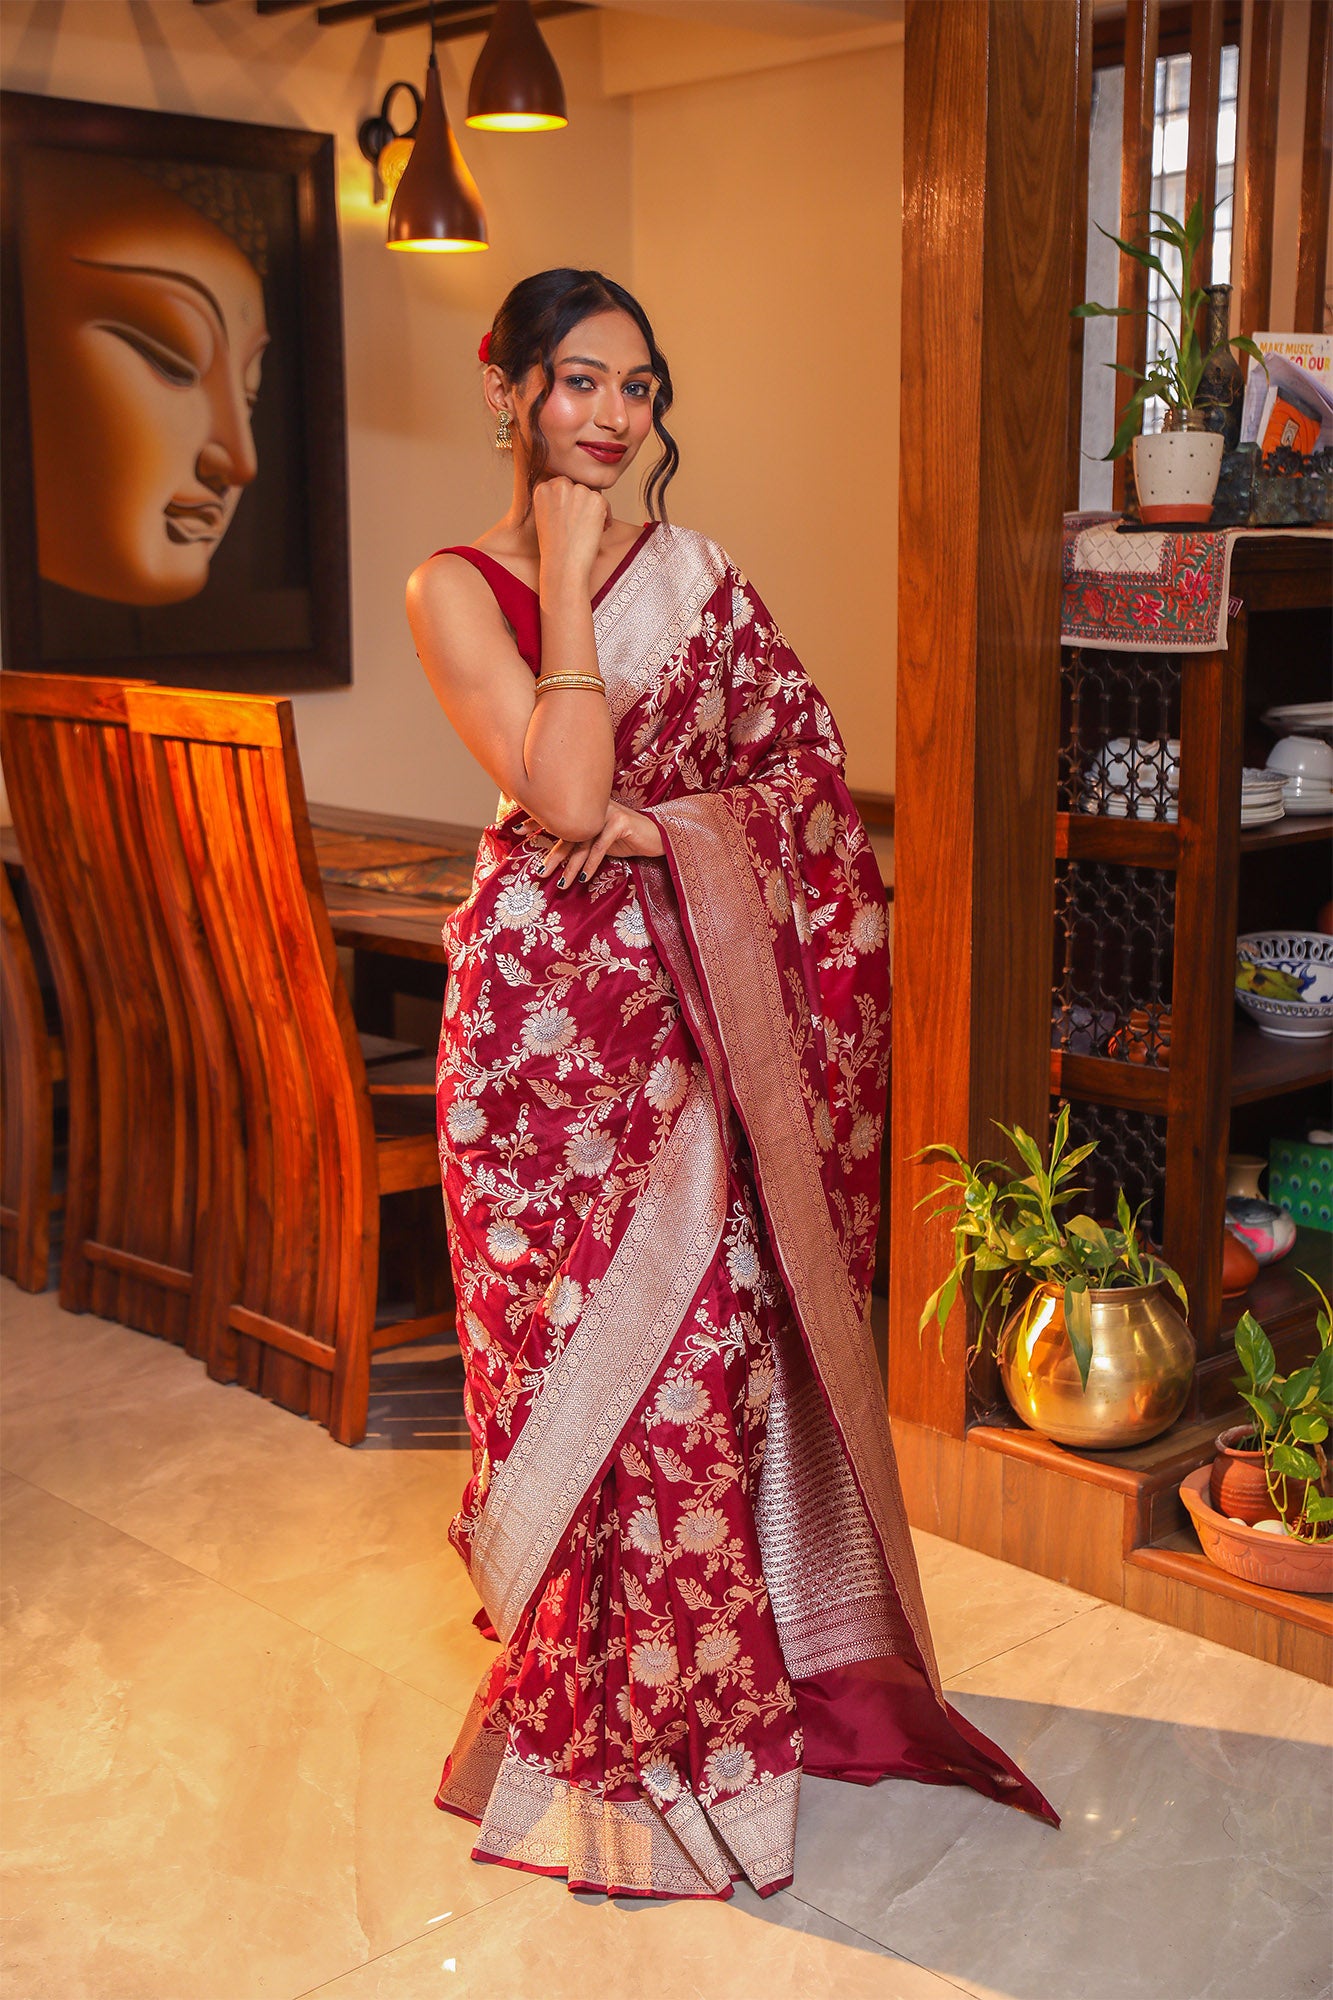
point(33, 1061)
point(129, 1057)
point(224, 809)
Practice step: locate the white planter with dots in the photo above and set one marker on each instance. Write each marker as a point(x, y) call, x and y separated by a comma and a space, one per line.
point(1176, 475)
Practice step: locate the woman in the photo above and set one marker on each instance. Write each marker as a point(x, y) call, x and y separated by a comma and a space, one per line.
point(661, 1096)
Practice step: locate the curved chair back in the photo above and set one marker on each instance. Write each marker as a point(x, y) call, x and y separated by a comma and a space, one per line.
point(130, 1197)
point(27, 1107)
point(223, 801)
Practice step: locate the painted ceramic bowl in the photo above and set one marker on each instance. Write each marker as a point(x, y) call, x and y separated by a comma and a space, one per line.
point(1288, 982)
point(1262, 1226)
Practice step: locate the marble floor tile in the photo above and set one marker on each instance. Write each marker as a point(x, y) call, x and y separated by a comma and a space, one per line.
point(202, 1801)
point(974, 1609)
point(350, 1544)
point(545, 1942)
point(1193, 1862)
point(237, 1654)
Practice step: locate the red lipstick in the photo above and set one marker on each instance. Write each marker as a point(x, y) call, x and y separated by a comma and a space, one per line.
point(606, 454)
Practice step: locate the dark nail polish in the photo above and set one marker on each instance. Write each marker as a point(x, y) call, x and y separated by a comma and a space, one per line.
point(563, 883)
point(583, 874)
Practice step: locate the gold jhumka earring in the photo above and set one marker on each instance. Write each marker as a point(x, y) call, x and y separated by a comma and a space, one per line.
point(503, 438)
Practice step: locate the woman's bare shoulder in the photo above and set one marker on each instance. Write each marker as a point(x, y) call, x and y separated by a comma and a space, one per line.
point(444, 574)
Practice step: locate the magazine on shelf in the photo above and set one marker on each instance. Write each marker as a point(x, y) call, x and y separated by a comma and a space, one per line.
point(1292, 404)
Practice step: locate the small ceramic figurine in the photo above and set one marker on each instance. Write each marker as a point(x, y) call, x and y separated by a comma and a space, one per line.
point(1265, 1229)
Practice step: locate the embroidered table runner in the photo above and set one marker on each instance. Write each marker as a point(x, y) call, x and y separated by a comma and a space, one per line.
point(1166, 591)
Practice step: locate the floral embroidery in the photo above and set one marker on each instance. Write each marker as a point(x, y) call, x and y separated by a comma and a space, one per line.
point(729, 1768)
point(654, 1662)
point(506, 1241)
point(681, 1400)
point(465, 1121)
point(666, 1085)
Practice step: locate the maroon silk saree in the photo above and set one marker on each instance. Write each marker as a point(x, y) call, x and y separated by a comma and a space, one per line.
point(661, 1100)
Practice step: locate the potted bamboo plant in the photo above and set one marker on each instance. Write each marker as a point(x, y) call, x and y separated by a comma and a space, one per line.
point(1090, 1347)
point(1175, 471)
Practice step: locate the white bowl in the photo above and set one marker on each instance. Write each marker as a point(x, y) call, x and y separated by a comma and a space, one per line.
point(1302, 757)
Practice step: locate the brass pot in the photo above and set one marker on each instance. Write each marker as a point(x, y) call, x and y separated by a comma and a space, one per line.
point(1142, 1366)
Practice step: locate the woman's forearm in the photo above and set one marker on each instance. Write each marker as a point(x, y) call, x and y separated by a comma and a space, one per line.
point(569, 746)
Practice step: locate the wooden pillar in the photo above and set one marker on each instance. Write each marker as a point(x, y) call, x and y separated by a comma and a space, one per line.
point(1316, 170)
point(1131, 334)
point(1079, 250)
point(1201, 160)
point(989, 202)
point(1264, 55)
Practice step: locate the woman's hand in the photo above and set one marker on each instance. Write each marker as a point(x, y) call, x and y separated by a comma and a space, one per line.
point(570, 520)
point(624, 833)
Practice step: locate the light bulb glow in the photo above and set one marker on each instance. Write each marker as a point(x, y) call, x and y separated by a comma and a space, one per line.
point(436, 243)
point(516, 121)
point(392, 162)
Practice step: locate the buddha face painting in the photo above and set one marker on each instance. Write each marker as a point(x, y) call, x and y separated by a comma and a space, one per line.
point(145, 332)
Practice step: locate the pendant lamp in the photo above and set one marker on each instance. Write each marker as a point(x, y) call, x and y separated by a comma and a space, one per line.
point(437, 206)
point(516, 86)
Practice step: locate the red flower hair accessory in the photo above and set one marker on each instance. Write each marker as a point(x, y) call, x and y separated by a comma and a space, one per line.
point(484, 350)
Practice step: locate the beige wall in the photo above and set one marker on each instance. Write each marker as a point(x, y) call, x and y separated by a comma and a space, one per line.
point(758, 214)
point(767, 233)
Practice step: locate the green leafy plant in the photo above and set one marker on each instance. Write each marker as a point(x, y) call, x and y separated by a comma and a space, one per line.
point(1175, 374)
point(1292, 1415)
point(1009, 1231)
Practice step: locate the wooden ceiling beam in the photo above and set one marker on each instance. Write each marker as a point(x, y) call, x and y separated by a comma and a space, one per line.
point(455, 18)
point(447, 14)
point(356, 10)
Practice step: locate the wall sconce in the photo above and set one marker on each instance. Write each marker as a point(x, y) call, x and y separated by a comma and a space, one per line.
point(387, 149)
point(516, 86)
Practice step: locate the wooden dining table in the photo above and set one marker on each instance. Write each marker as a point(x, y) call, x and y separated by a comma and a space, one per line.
point(389, 882)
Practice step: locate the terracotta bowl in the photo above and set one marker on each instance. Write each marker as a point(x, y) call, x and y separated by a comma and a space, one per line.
point(1275, 1560)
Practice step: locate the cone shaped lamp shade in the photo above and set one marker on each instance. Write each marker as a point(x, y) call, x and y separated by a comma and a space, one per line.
point(516, 86)
point(437, 206)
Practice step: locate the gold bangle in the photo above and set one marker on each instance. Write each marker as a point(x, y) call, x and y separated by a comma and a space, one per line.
point(591, 681)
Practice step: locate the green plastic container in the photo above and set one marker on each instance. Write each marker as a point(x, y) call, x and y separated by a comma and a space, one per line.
point(1300, 1179)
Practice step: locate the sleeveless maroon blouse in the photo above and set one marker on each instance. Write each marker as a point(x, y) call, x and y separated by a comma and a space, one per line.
point(520, 606)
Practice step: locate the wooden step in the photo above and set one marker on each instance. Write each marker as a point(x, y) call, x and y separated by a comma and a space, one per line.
point(1110, 1523)
point(1172, 1580)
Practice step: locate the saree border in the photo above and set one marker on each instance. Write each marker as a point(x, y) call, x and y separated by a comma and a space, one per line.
point(728, 923)
point(608, 1364)
point(534, 1818)
point(653, 610)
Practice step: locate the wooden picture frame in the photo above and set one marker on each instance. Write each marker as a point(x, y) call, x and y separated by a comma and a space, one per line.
point(175, 507)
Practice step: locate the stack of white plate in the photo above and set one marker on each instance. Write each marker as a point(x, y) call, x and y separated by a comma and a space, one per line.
point(1301, 718)
point(1133, 777)
point(1260, 797)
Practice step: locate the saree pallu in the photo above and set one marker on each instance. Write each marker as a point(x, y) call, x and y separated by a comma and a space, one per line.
point(661, 1102)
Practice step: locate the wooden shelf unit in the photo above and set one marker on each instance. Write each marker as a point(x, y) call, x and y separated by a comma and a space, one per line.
point(1175, 895)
